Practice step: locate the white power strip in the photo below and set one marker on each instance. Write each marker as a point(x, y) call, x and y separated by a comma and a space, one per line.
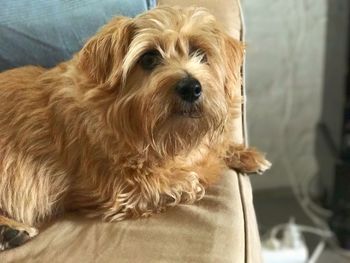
point(290, 249)
point(285, 255)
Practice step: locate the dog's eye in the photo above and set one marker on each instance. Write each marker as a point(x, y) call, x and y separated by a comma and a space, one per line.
point(150, 60)
point(198, 52)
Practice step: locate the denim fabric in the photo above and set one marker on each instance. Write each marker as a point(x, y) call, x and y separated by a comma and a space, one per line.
point(42, 32)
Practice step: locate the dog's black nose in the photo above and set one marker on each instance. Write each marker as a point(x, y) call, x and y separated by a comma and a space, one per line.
point(189, 89)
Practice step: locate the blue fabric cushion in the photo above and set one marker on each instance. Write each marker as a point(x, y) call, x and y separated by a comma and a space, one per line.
point(46, 32)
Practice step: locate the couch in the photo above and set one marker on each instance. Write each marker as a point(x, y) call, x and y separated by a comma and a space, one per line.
point(219, 228)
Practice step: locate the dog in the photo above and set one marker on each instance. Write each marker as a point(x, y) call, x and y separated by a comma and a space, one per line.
point(140, 119)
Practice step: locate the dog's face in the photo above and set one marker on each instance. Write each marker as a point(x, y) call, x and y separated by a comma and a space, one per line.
point(171, 74)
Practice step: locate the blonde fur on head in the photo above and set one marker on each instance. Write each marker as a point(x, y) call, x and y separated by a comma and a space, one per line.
point(109, 134)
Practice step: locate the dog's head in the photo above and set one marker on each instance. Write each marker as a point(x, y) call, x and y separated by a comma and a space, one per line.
point(170, 74)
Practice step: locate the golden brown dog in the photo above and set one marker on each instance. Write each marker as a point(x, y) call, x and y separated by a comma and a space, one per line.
point(140, 119)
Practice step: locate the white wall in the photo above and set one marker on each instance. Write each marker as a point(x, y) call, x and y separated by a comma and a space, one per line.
point(285, 56)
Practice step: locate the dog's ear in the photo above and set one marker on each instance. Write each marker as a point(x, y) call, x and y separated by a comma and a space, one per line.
point(234, 51)
point(104, 52)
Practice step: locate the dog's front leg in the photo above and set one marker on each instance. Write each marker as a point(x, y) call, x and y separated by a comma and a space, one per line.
point(246, 160)
point(183, 187)
point(13, 233)
point(140, 195)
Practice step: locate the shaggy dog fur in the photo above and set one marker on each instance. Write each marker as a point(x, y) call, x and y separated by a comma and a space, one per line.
point(106, 133)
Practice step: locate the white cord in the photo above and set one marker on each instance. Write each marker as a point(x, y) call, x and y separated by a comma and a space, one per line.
point(315, 231)
point(317, 208)
point(317, 252)
point(320, 222)
point(321, 211)
point(312, 210)
point(315, 212)
point(316, 219)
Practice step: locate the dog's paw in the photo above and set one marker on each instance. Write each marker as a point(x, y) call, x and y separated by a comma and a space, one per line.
point(262, 166)
point(249, 161)
point(193, 190)
point(12, 237)
point(186, 190)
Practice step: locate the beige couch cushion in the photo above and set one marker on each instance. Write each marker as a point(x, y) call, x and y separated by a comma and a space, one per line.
point(210, 231)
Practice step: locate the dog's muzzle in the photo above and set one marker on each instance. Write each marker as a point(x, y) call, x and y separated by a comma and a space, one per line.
point(189, 89)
